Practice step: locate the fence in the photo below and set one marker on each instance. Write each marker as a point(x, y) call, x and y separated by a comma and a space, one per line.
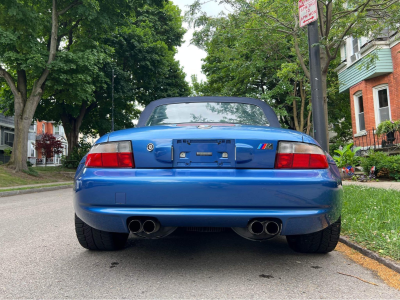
point(372, 141)
point(49, 161)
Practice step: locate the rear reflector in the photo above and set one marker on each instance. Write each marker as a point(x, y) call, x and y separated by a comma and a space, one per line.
point(111, 155)
point(300, 156)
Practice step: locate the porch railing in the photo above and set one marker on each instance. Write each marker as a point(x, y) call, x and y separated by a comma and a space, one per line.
point(370, 140)
point(49, 161)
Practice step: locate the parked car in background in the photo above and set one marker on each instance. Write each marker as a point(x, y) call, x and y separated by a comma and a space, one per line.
point(207, 163)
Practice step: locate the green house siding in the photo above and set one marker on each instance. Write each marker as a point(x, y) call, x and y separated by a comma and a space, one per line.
point(358, 72)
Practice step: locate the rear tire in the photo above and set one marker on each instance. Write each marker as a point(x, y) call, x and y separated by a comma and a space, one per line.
point(323, 241)
point(94, 239)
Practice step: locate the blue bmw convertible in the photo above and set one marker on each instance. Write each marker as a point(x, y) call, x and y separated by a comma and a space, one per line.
point(207, 164)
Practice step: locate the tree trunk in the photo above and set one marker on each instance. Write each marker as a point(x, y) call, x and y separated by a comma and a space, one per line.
point(24, 110)
point(25, 107)
point(72, 125)
point(72, 133)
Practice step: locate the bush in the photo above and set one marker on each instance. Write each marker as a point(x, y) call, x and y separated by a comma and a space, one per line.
point(1, 163)
point(72, 161)
point(347, 156)
point(384, 164)
point(29, 164)
point(7, 151)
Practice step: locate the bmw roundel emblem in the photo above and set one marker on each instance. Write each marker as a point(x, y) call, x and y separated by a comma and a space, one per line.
point(150, 147)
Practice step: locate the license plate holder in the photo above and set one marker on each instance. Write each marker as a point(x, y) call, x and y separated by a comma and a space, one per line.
point(213, 153)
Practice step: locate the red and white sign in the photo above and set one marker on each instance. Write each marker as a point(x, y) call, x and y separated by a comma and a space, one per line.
point(308, 12)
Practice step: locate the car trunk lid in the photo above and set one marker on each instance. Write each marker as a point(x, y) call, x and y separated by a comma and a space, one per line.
point(247, 147)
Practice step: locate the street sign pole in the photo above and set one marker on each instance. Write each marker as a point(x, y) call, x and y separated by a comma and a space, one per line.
point(317, 98)
point(308, 15)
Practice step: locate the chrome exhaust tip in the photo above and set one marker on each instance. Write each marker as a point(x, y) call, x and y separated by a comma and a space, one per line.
point(135, 226)
point(272, 228)
point(256, 227)
point(150, 226)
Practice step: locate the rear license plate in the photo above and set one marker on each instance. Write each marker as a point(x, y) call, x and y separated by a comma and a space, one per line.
point(217, 153)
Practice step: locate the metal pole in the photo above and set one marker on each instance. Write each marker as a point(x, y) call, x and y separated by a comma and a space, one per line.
point(112, 97)
point(317, 99)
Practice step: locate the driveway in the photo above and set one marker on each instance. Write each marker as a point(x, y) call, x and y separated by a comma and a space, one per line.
point(40, 258)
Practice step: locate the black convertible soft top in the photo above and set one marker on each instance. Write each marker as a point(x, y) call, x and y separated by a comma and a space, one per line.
point(268, 111)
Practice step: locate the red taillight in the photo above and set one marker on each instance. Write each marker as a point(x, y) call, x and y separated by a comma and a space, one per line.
point(300, 156)
point(111, 155)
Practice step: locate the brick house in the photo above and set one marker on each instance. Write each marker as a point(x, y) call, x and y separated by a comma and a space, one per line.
point(56, 130)
point(370, 71)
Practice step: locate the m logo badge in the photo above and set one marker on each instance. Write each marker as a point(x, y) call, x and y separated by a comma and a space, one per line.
point(266, 146)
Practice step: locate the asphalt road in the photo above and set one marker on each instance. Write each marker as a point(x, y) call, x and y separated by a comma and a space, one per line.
point(40, 258)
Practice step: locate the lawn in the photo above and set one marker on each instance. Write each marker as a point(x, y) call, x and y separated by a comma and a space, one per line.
point(371, 217)
point(43, 175)
point(36, 187)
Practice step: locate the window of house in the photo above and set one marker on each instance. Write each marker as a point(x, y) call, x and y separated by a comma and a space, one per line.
point(343, 54)
point(32, 151)
point(9, 138)
point(359, 110)
point(382, 104)
point(355, 45)
point(43, 128)
point(56, 129)
point(355, 50)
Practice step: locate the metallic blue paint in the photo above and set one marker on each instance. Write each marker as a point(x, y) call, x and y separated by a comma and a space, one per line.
point(305, 200)
point(247, 139)
point(203, 193)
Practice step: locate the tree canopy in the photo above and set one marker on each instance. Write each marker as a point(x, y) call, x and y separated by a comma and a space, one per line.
point(277, 21)
point(60, 55)
point(141, 54)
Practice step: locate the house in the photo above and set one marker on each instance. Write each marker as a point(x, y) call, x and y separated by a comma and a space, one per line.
point(370, 71)
point(88, 138)
point(7, 138)
point(56, 130)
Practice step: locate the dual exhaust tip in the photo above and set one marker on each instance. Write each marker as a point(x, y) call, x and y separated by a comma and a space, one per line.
point(255, 227)
point(147, 226)
point(268, 227)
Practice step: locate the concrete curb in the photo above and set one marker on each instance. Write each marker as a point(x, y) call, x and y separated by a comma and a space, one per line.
point(384, 261)
point(37, 190)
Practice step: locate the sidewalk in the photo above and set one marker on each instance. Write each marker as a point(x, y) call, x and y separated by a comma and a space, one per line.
point(380, 185)
point(36, 185)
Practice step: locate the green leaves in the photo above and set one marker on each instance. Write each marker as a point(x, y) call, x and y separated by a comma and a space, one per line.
point(347, 156)
point(137, 41)
point(387, 126)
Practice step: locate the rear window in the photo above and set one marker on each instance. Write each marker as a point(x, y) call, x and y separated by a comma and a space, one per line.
point(208, 112)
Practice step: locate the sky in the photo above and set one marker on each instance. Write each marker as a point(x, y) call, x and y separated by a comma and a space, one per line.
point(188, 55)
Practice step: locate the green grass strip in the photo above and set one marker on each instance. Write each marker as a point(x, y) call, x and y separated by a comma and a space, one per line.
point(33, 187)
point(371, 217)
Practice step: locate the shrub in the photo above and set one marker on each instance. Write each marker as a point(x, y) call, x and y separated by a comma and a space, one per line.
point(72, 161)
point(1, 163)
point(347, 156)
point(7, 151)
point(384, 165)
point(29, 164)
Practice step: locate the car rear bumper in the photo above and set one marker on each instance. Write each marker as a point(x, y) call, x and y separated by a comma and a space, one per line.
point(304, 200)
